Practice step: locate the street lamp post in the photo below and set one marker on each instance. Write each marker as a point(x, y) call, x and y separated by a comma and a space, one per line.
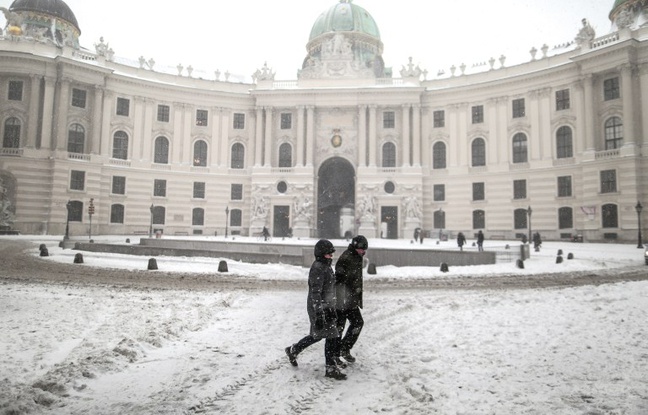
point(68, 205)
point(151, 222)
point(639, 208)
point(226, 219)
point(529, 213)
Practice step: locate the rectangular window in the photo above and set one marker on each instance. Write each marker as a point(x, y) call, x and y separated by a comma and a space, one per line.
point(77, 180)
point(236, 217)
point(119, 185)
point(163, 112)
point(236, 192)
point(439, 192)
point(123, 106)
point(15, 91)
point(159, 188)
point(562, 100)
point(478, 191)
point(564, 186)
point(239, 121)
point(202, 118)
point(518, 108)
point(286, 121)
point(79, 98)
point(439, 119)
point(611, 89)
point(519, 189)
point(199, 190)
point(389, 119)
point(478, 114)
point(608, 181)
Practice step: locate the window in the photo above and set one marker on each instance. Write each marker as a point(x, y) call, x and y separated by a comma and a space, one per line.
point(202, 118)
point(479, 219)
point(611, 89)
point(439, 192)
point(238, 156)
point(120, 145)
point(123, 106)
point(478, 191)
point(77, 180)
point(610, 216)
point(239, 121)
point(159, 187)
point(285, 155)
point(76, 139)
point(478, 152)
point(519, 189)
point(478, 114)
point(564, 186)
point(200, 154)
point(562, 100)
point(118, 185)
point(565, 218)
point(75, 212)
point(439, 219)
point(518, 108)
point(564, 147)
point(520, 218)
point(613, 133)
point(236, 191)
point(389, 119)
point(389, 155)
point(608, 181)
point(520, 148)
point(15, 91)
point(236, 217)
point(199, 190)
point(159, 214)
point(117, 213)
point(79, 98)
point(161, 150)
point(439, 155)
point(286, 121)
point(198, 217)
point(163, 112)
point(11, 138)
point(439, 119)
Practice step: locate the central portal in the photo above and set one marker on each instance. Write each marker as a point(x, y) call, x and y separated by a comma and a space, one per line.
point(336, 199)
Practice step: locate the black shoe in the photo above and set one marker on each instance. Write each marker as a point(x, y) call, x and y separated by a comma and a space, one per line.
point(292, 358)
point(340, 363)
point(334, 372)
point(347, 356)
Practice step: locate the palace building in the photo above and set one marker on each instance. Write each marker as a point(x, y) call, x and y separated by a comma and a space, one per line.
point(555, 144)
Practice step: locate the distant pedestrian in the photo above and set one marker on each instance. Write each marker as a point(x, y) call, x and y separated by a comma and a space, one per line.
point(265, 233)
point(480, 241)
point(416, 234)
point(461, 240)
point(537, 240)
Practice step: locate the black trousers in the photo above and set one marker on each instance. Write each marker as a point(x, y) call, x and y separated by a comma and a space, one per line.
point(331, 348)
point(349, 339)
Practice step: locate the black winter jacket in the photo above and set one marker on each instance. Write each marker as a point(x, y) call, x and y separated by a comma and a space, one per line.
point(321, 298)
point(348, 278)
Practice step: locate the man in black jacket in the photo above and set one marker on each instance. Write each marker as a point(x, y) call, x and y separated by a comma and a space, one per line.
point(348, 278)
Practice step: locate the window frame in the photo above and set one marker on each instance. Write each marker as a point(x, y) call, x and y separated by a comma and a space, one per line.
point(163, 113)
point(520, 148)
point(159, 188)
point(478, 191)
point(438, 117)
point(77, 180)
point(199, 190)
point(236, 191)
point(76, 139)
point(238, 121)
point(118, 185)
point(12, 132)
point(79, 98)
point(563, 99)
point(519, 189)
point(478, 152)
point(14, 88)
point(438, 192)
point(564, 186)
point(611, 89)
point(122, 107)
point(477, 113)
point(285, 121)
point(389, 119)
point(608, 181)
point(202, 118)
point(564, 142)
point(120, 145)
point(518, 107)
point(439, 158)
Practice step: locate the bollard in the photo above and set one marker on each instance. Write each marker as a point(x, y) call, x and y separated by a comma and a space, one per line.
point(520, 264)
point(152, 264)
point(560, 252)
point(127, 240)
point(78, 258)
point(570, 256)
point(559, 259)
point(44, 252)
point(444, 267)
point(507, 246)
point(371, 269)
point(222, 266)
point(42, 246)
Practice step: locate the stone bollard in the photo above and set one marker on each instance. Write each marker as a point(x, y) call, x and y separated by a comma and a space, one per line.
point(559, 259)
point(560, 252)
point(444, 267)
point(519, 263)
point(222, 266)
point(44, 252)
point(42, 246)
point(78, 258)
point(152, 264)
point(371, 269)
point(570, 256)
point(127, 240)
point(507, 246)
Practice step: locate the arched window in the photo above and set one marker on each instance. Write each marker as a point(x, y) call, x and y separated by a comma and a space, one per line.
point(11, 138)
point(439, 155)
point(565, 218)
point(120, 145)
point(76, 139)
point(285, 155)
point(161, 150)
point(520, 218)
point(238, 156)
point(389, 155)
point(478, 152)
point(198, 217)
point(479, 219)
point(159, 214)
point(564, 147)
point(613, 133)
point(439, 219)
point(610, 216)
point(200, 154)
point(520, 148)
point(117, 213)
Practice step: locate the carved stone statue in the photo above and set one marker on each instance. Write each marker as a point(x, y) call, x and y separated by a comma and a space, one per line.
point(260, 207)
point(101, 48)
point(302, 206)
point(412, 207)
point(585, 34)
point(366, 207)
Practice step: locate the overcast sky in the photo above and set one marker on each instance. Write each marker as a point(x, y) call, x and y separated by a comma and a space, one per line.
point(241, 35)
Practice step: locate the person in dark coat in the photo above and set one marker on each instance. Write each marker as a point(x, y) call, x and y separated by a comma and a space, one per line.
point(348, 278)
point(461, 240)
point(320, 305)
point(480, 240)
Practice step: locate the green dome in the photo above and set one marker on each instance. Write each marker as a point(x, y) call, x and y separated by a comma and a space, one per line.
point(345, 17)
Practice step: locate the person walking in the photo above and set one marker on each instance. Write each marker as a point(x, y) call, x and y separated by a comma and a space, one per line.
point(348, 278)
point(480, 241)
point(320, 305)
point(461, 240)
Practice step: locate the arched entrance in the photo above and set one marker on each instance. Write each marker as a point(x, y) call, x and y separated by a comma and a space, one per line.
point(335, 198)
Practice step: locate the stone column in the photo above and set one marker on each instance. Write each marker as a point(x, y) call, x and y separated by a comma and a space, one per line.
point(493, 131)
point(416, 135)
point(643, 109)
point(175, 149)
point(544, 126)
point(362, 136)
point(372, 135)
point(405, 135)
point(146, 142)
point(108, 110)
point(258, 138)
point(533, 112)
point(34, 103)
point(214, 147)
point(426, 126)
point(224, 137)
point(310, 135)
point(47, 133)
point(300, 136)
point(588, 112)
point(250, 153)
point(267, 150)
point(94, 144)
point(139, 118)
point(61, 114)
point(628, 107)
point(187, 154)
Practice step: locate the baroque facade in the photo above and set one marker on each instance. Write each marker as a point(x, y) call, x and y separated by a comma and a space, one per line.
point(556, 144)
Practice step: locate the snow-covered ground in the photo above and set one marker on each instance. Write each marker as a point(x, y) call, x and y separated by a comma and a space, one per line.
point(96, 349)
